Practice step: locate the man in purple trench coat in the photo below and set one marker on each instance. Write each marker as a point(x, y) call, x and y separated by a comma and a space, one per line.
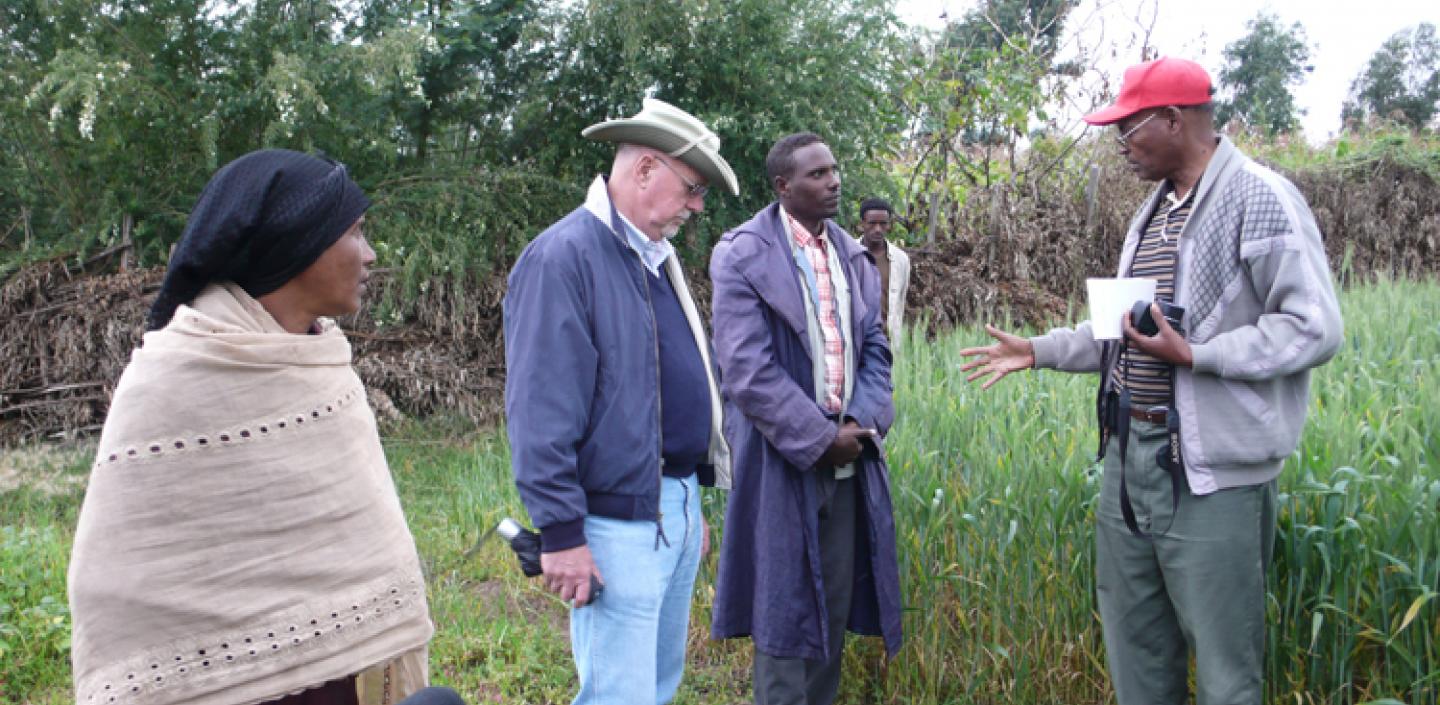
point(809, 541)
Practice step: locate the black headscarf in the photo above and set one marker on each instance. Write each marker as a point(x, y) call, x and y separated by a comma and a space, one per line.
point(262, 219)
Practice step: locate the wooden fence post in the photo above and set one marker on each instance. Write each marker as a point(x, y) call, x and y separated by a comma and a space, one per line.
point(1092, 191)
point(127, 254)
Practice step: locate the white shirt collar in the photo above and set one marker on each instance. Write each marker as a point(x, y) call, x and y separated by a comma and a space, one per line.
point(652, 254)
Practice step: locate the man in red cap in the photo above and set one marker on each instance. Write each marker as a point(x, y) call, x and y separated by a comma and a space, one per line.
point(1197, 414)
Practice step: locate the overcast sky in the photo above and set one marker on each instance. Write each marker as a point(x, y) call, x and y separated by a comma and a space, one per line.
point(1342, 35)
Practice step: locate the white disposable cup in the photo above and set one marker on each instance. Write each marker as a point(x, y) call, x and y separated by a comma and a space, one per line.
point(1112, 298)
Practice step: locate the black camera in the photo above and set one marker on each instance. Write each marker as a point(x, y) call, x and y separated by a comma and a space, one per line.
point(1144, 322)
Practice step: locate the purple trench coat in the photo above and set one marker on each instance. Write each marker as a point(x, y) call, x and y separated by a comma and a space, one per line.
point(770, 586)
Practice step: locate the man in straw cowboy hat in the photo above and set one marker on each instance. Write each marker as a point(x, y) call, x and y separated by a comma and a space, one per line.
point(1196, 419)
point(613, 406)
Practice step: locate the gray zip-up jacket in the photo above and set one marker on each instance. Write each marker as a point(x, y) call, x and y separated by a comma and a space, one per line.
point(1260, 312)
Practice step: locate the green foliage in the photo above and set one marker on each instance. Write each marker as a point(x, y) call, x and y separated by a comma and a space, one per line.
point(467, 75)
point(993, 63)
point(115, 115)
point(1259, 70)
point(973, 95)
point(34, 617)
point(753, 70)
point(1354, 150)
point(127, 110)
point(1402, 81)
point(39, 503)
point(995, 23)
point(994, 496)
point(35, 622)
point(458, 225)
point(104, 123)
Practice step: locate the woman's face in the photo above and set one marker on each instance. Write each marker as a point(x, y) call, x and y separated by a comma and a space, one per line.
point(334, 283)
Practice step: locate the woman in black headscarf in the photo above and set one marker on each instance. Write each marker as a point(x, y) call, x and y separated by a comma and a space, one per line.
point(241, 540)
point(262, 221)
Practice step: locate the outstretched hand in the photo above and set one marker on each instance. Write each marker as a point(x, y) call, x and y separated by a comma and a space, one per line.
point(1010, 353)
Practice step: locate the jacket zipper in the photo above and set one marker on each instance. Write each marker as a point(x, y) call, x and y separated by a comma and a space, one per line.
point(659, 412)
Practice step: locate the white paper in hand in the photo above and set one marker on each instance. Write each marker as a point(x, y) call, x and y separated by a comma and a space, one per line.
point(1110, 299)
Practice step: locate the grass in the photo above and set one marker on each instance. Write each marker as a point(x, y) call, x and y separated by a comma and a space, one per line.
point(1001, 565)
point(994, 494)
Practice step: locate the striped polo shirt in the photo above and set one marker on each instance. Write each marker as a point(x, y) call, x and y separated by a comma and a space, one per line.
point(1147, 377)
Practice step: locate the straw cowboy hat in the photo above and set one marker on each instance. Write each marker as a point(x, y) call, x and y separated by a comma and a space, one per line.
point(673, 131)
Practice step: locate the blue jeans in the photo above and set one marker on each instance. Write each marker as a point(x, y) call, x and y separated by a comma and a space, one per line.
point(629, 646)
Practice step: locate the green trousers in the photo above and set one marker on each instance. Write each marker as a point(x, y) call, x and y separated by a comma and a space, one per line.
point(1199, 588)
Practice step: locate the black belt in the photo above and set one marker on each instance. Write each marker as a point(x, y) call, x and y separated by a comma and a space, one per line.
point(1155, 415)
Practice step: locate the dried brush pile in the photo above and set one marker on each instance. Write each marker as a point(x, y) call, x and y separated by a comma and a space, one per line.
point(1018, 253)
point(1379, 218)
point(1024, 254)
point(448, 355)
point(66, 337)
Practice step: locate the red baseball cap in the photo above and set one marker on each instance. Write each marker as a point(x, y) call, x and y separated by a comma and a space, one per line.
point(1156, 84)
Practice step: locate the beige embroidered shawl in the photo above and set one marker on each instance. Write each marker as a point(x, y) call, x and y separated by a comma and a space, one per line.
point(241, 538)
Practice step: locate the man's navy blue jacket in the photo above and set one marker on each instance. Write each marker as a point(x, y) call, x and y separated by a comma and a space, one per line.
point(582, 386)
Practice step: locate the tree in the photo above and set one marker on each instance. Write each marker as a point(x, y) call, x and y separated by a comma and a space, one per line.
point(1401, 82)
point(1259, 70)
point(471, 70)
point(115, 114)
point(1024, 35)
point(1038, 23)
point(973, 95)
point(107, 116)
point(461, 119)
point(753, 70)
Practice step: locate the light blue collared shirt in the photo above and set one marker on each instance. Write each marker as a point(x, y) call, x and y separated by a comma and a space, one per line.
point(652, 254)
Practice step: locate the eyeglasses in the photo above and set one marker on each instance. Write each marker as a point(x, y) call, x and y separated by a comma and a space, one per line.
point(691, 188)
point(1124, 139)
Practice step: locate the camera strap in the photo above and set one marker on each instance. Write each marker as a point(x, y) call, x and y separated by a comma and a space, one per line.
point(1106, 402)
point(1168, 457)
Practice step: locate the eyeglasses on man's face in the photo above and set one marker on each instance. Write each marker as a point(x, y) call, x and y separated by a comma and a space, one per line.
point(1124, 139)
point(692, 189)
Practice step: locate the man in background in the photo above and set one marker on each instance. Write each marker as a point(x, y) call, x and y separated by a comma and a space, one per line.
point(876, 220)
